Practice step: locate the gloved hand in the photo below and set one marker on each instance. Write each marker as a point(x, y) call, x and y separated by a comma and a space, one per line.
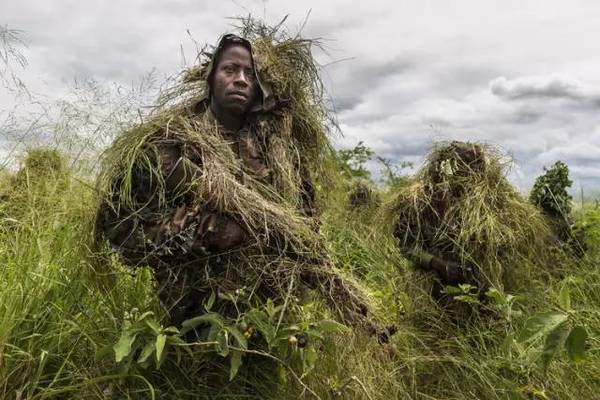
point(218, 233)
point(451, 271)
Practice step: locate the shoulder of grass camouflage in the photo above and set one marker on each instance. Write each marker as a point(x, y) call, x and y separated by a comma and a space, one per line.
point(178, 227)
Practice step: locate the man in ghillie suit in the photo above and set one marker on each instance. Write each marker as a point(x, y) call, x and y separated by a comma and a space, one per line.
point(461, 219)
point(214, 190)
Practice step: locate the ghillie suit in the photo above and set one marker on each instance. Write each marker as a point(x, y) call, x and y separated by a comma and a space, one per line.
point(41, 169)
point(362, 194)
point(231, 214)
point(462, 219)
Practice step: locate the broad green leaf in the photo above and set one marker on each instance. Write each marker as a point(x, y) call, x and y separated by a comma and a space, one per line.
point(146, 352)
point(238, 336)
point(539, 394)
point(171, 329)
point(156, 328)
point(175, 340)
point(512, 298)
point(160, 346)
point(309, 360)
point(554, 343)
point(213, 332)
point(236, 361)
point(145, 315)
point(282, 374)
point(452, 290)
point(123, 347)
point(539, 325)
point(497, 296)
point(564, 297)
point(210, 318)
point(314, 334)
point(270, 308)
point(468, 298)
point(575, 343)
point(507, 344)
point(260, 321)
point(223, 344)
point(331, 326)
point(210, 302)
point(466, 288)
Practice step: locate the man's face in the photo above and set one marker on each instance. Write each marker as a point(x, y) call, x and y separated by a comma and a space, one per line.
point(233, 85)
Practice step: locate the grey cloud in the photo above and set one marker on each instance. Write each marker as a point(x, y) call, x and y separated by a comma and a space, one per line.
point(536, 87)
point(460, 80)
point(354, 79)
point(342, 104)
point(586, 172)
point(526, 116)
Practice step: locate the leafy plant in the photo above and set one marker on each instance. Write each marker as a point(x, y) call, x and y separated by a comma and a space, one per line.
point(144, 341)
point(464, 292)
point(391, 175)
point(298, 341)
point(352, 162)
point(545, 335)
point(504, 304)
point(550, 191)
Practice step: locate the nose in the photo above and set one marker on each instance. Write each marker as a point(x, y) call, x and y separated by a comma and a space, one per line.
point(242, 78)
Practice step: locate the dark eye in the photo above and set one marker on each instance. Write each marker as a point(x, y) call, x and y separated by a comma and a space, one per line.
point(228, 68)
point(249, 72)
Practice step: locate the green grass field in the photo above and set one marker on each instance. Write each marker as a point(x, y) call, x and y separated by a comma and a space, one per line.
point(64, 307)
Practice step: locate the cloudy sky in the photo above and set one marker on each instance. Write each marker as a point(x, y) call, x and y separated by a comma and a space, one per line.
point(402, 74)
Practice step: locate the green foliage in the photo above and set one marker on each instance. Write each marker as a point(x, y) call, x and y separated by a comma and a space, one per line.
point(362, 195)
point(586, 228)
point(352, 165)
point(352, 162)
point(144, 340)
point(464, 292)
point(545, 335)
point(550, 192)
point(143, 337)
point(63, 304)
point(506, 305)
point(391, 177)
point(42, 161)
point(575, 343)
point(40, 164)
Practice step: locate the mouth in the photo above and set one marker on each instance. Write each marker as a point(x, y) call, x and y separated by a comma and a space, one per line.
point(240, 95)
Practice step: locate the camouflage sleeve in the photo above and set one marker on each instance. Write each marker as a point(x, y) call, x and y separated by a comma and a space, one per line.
point(448, 271)
point(181, 230)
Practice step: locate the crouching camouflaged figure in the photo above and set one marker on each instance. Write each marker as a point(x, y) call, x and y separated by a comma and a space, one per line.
point(423, 239)
point(462, 219)
point(214, 190)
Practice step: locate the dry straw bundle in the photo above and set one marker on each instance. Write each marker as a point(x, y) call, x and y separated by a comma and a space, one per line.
point(461, 207)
